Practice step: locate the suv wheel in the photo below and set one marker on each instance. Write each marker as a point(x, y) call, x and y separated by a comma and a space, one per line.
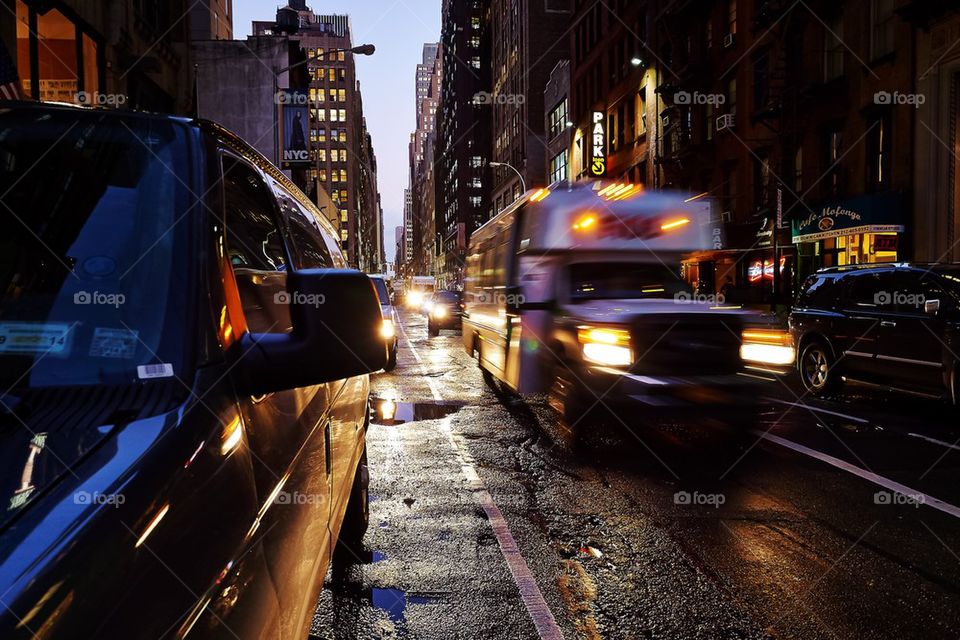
point(567, 400)
point(433, 330)
point(818, 370)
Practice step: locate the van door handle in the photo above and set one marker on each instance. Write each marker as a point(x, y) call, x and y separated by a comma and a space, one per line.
point(328, 450)
point(888, 323)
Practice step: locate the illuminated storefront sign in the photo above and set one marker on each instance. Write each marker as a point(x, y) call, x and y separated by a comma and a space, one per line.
point(598, 162)
point(295, 121)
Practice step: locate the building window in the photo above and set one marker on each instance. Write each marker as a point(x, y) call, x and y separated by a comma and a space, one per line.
point(557, 120)
point(761, 82)
point(834, 152)
point(642, 106)
point(476, 162)
point(882, 28)
point(761, 181)
point(476, 201)
point(558, 167)
point(67, 57)
point(878, 154)
point(798, 170)
point(833, 50)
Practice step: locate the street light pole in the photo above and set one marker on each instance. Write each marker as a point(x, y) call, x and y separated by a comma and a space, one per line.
point(523, 184)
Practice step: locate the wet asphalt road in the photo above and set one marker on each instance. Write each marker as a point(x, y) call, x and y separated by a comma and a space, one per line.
point(683, 531)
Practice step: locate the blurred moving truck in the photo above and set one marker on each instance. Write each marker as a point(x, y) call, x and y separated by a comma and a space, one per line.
point(578, 292)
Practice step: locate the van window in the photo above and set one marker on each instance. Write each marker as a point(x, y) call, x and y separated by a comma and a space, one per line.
point(256, 249)
point(95, 279)
point(609, 280)
point(308, 242)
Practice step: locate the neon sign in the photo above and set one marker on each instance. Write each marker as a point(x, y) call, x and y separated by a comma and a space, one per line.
point(598, 161)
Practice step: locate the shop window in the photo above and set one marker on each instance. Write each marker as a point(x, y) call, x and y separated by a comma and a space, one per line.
point(834, 152)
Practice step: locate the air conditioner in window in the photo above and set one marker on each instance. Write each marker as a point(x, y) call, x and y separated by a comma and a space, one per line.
point(725, 122)
point(729, 40)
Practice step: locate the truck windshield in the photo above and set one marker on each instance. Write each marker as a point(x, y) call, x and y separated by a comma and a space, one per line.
point(93, 258)
point(618, 280)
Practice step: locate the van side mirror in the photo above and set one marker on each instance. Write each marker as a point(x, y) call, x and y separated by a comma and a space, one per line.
point(931, 307)
point(336, 334)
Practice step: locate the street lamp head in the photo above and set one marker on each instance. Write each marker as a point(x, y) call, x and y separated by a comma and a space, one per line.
point(364, 50)
point(636, 61)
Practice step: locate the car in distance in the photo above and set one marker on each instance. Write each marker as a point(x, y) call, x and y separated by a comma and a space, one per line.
point(185, 360)
point(390, 320)
point(893, 325)
point(446, 311)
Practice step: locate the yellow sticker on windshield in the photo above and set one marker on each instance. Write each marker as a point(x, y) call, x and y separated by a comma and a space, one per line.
point(29, 338)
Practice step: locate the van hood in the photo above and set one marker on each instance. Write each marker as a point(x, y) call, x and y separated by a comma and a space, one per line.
point(626, 310)
point(47, 433)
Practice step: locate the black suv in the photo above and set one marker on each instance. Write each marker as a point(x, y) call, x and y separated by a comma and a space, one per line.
point(183, 383)
point(893, 325)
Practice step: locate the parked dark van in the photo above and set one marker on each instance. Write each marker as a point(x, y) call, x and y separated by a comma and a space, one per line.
point(183, 383)
point(892, 325)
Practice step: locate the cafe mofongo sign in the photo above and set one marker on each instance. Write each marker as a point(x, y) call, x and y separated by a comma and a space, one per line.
point(877, 213)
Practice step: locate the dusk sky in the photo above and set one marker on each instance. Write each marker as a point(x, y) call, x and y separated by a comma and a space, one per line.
point(398, 28)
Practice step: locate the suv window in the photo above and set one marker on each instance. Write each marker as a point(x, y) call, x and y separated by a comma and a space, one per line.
point(256, 249)
point(870, 291)
point(308, 242)
point(914, 288)
point(820, 292)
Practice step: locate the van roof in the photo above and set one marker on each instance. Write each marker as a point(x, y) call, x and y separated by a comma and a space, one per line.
point(615, 216)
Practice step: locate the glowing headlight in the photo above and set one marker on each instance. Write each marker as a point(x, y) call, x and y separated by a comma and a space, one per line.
point(428, 306)
point(439, 312)
point(387, 330)
point(768, 346)
point(415, 299)
point(609, 347)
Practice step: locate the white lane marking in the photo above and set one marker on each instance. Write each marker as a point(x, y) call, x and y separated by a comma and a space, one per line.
point(530, 594)
point(434, 389)
point(935, 441)
point(886, 483)
point(819, 410)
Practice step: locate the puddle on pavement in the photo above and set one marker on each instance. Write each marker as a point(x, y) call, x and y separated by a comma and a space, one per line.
point(390, 412)
point(395, 601)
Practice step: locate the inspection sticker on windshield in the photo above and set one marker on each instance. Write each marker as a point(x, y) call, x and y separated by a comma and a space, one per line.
point(150, 371)
point(34, 337)
point(113, 343)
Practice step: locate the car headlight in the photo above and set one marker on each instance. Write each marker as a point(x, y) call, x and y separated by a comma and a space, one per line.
point(768, 346)
point(439, 312)
point(415, 299)
point(428, 306)
point(606, 346)
point(387, 330)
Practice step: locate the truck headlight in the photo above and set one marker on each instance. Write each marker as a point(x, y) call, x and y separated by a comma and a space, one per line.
point(768, 346)
point(606, 346)
point(415, 299)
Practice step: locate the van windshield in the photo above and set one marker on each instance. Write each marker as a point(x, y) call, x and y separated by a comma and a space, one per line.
point(618, 280)
point(94, 266)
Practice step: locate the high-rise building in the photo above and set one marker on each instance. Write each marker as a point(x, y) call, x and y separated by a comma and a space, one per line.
point(428, 79)
point(528, 39)
point(341, 151)
point(211, 20)
point(461, 180)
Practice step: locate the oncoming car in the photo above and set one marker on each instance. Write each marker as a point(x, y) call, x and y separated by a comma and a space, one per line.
point(184, 360)
point(577, 292)
point(445, 311)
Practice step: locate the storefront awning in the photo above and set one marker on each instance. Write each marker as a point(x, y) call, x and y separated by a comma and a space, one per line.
point(875, 213)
